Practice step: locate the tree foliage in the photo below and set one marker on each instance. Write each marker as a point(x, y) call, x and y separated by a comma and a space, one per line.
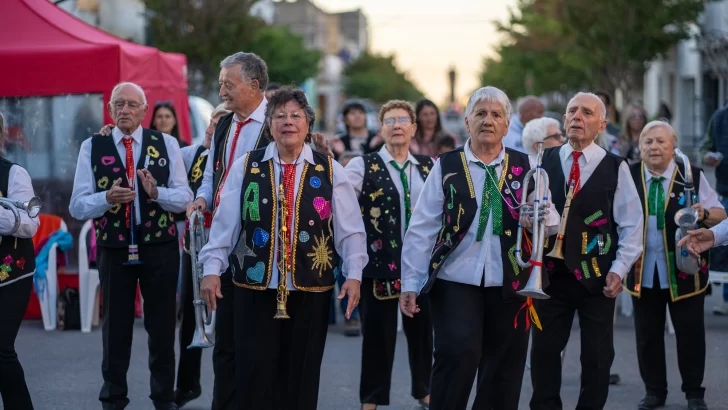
point(377, 78)
point(562, 45)
point(207, 31)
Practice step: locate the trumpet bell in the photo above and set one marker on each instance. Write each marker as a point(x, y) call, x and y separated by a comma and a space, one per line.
point(33, 207)
point(686, 217)
point(534, 286)
point(281, 313)
point(533, 293)
point(200, 341)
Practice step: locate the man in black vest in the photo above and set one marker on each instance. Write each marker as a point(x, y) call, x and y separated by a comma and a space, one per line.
point(131, 183)
point(600, 238)
point(243, 81)
point(467, 220)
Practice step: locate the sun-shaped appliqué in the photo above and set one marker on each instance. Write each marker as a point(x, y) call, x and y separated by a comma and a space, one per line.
point(321, 254)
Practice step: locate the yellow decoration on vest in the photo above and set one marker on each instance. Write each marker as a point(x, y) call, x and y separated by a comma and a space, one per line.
point(103, 183)
point(255, 171)
point(319, 167)
point(152, 152)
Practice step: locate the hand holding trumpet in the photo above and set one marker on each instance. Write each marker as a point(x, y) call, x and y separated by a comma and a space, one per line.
point(698, 241)
point(526, 216)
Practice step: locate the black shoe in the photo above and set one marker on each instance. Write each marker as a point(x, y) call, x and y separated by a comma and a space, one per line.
point(651, 402)
point(697, 404)
point(182, 397)
point(352, 327)
point(159, 405)
point(614, 378)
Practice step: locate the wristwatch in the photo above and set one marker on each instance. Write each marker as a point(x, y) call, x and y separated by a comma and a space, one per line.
point(706, 214)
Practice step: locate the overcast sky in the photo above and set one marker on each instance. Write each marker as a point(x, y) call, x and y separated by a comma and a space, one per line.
point(428, 36)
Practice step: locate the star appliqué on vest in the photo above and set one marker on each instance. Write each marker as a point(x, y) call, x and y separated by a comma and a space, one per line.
point(241, 249)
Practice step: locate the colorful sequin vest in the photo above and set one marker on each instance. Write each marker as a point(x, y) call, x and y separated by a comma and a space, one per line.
point(313, 253)
point(156, 225)
point(460, 209)
point(382, 209)
point(222, 139)
point(194, 179)
point(17, 255)
point(590, 240)
point(682, 285)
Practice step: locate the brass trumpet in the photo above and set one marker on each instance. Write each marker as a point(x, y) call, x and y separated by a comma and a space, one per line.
point(534, 287)
point(284, 263)
point(198, 239)
point(558, 249)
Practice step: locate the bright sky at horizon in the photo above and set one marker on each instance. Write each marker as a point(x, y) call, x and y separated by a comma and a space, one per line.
point(430, 36)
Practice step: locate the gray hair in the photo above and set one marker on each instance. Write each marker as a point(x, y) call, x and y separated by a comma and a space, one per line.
point(489, 94)
point(220, 109)
point(658, 123)
point(291, 94)
point(252, 68)
point(603, 108)
point(132, 85)
point(535, 131)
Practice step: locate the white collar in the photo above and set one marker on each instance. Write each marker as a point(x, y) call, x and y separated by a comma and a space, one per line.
point(136, 135)
point(667, 174)
point(271, 152)
point(588, 152)
point(387, 156)
point(470, 156)
point(258, 114)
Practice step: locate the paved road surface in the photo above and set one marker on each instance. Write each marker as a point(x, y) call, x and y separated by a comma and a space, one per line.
point(63, 370)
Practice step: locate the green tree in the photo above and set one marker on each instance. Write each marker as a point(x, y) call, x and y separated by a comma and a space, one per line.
point(377, 78)
point(288, 60)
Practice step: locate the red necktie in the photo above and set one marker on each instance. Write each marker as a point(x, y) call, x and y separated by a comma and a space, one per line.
point(289, 185)
point(238, 126)
point(129, 171)
point(575, 174)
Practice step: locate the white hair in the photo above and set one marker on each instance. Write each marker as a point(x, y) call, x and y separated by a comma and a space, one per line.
point(489, 94)
point(219, 110)
point(535, 131)
point(658, 123)
point(129, 84)
point(603, 108)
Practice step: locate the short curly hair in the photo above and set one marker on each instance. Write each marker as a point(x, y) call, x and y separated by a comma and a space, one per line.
point(287, 94)
point(395, 104)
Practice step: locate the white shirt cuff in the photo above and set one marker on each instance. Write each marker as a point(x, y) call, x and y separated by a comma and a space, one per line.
point(719, 234)
point(212, 267)
point(409, 286)
point(619, 268)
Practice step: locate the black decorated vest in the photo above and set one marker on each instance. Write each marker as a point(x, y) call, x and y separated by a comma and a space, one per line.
point(222, 139)
point(194, 179)
point(313, 253)
point(682, 285)
point(17, 255)
point(460, 209)
point(156, 225)
point(590, 239)
point(382, 209)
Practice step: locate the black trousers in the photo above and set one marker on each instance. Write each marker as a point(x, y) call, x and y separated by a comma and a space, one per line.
point(687, 317)
point(379, 331)
point(157, 278)
point(474, 333)
point(278, 361)
point(14, 299)
point(596, 320)
point(223, 353)
point(190, 360)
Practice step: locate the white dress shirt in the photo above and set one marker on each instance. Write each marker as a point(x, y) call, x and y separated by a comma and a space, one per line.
point(467, 263)
point(655, 252)
point(20, 188)
point(246, 143)
point(720, 233)
point(355, 169)
point(188, 155)
point(86, 203)
point(626, 208)
point(349, 234)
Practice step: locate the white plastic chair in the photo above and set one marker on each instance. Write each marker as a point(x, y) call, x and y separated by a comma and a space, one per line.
point(88, 280)
point(49, 300)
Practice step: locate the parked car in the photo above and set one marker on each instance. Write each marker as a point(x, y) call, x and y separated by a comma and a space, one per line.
point(200, 113)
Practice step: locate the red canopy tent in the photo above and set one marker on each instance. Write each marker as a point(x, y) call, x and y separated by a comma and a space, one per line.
point(47, 51)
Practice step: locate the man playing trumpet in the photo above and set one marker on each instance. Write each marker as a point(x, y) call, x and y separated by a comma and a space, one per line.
point(599, 239)
point(130, 183)
point(467, 219)
point(656, 280)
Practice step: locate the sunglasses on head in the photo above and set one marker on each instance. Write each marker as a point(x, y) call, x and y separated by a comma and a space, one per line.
point(164, 104)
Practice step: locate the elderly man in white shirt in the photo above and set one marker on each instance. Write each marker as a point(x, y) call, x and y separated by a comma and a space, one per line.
point(131, 183)
point(657, 280)
point(461, 249)
point(286, 216)
point(599, 240)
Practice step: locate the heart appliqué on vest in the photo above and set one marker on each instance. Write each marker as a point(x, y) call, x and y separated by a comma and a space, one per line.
point(108, 160)
point(516, 284)
point(148, 224)
point(102, 223)
point(20, 263)
point(116, 169)
point(517, 171)
point(323, 207)
point(255, 274)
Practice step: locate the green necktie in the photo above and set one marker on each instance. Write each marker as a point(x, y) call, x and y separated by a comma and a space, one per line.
point(490, 203)
point(405, 188)
point(656, 201)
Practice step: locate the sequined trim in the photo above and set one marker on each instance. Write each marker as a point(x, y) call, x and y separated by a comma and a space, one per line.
point(591, 245)
point(593, 217)
point(585, 269)
point(512, 258)
point(467, 175)
point(583, 243)
point(595, 266)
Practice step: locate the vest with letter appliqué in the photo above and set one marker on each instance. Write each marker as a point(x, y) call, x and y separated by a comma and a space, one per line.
point(681, 285)
point(382, 209)
point(194, 179)
point(590, 238)
point(313, 253)
point(156, 225)
point(17, 255)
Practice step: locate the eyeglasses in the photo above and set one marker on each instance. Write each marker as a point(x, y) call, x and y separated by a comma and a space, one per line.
point(282, 117)
point(164, 104)
point(401, 120)
point(559, 136)
point(119, 105)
